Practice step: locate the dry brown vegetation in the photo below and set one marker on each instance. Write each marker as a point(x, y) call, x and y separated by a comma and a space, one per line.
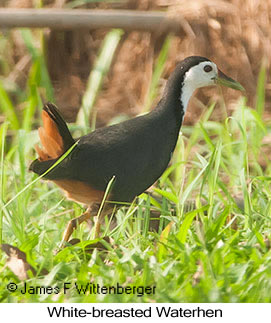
point(236, 34)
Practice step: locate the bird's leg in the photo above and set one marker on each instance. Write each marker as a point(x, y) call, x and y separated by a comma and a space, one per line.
point(97, 227)
point(72, 225)
point(107, 208)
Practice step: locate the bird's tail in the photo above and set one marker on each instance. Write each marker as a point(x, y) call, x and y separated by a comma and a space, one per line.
point(55, 136)
point(55, 139)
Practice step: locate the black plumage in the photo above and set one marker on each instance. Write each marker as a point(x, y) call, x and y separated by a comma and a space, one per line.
point(136, 151)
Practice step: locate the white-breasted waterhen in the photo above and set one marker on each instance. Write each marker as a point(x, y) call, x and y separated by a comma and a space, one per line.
point(136, 151)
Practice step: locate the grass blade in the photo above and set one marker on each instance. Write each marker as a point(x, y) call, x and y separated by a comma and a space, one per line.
point(3, 132)
point(158, 70)
point(189, 217)
point(40, 75)
point(96, 76)
point(8, 108)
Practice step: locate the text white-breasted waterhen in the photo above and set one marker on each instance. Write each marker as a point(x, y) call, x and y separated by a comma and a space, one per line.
point(136, 151)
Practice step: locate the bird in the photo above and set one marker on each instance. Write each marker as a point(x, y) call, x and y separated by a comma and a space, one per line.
point(134, 153)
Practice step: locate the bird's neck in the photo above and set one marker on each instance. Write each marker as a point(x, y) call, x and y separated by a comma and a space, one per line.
point(175, 101)
point(185, 95)
point(168, 116)
point(178, 92)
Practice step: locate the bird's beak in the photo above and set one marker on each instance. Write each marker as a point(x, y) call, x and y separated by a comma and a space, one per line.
point(225, 80)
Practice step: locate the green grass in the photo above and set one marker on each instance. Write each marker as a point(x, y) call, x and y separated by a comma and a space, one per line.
point(214, 251)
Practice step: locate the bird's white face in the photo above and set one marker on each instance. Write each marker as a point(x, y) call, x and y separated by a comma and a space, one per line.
point(200, 75)
point(203, 74)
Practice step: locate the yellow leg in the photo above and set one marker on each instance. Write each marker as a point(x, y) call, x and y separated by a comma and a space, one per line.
point(91, 211)
point(72, 225)
point(105, 211)
point(97, 229)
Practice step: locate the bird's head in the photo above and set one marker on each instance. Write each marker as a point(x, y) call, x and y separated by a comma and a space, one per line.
point(201, 72)
point(195, 72)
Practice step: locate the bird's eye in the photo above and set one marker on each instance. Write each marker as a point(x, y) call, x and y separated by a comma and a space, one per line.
point(208, 68)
